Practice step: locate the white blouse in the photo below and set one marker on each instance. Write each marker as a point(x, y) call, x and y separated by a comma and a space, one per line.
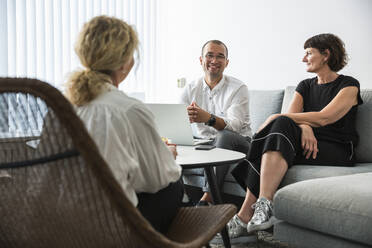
point(125, 133)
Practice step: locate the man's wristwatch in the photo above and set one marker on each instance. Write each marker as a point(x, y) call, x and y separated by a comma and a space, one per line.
point(212, 121)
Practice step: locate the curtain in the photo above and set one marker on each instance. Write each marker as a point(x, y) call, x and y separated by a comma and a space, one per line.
point(40, 38)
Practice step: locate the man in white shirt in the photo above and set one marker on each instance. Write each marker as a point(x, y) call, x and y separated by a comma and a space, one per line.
point(219, 106)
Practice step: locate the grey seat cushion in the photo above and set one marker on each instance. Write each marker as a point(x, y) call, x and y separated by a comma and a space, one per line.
point(296, 236)
point(299, 173)
point(363, 125)
point(339, 206)
point(295, 174)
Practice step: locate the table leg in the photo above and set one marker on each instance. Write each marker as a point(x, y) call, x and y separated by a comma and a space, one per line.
point(216, 197)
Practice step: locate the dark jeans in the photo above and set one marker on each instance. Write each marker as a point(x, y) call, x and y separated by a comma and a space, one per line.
point(161, 207)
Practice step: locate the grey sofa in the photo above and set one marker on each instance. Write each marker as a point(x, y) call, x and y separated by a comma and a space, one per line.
point(318, 206)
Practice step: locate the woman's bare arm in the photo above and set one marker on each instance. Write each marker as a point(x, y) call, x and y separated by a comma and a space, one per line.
point(335, 110)
point(297, 103)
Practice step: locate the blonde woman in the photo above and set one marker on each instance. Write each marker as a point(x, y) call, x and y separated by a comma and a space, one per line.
point(123, 127)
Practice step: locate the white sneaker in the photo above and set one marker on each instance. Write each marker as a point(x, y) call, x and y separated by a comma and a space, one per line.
point(236, 227)
point(237, 230)
point(262, 218)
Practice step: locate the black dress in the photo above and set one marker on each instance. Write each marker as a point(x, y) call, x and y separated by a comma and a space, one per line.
point(336, 141)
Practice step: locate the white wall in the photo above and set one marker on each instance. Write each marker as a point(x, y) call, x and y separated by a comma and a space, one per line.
point(265, 38)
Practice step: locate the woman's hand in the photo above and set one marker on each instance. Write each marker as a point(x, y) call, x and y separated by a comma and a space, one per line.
point(268, 120)
point(308, 142)
point(173, 149)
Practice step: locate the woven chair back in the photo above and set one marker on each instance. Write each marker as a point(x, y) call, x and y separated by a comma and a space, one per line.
point(55, 188)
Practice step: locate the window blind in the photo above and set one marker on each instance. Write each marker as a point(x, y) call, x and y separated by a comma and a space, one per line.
point(41, 34)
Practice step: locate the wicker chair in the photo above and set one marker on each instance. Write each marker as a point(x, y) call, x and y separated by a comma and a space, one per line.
point(57, 191)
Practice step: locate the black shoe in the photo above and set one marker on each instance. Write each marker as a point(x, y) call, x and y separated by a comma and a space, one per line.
point(202, 204)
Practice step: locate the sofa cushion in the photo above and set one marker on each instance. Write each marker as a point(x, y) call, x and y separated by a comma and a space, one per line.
point(262, 104)
point(339, 206)
point(287, 98)
point(299, 173)
point(363, 125)
point(296, 236)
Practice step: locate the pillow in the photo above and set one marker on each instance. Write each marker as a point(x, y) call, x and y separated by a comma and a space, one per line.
point(262, 104)
point(363, 126)
point(288, 95)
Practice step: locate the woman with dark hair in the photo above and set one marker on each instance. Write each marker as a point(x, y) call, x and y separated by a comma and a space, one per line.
point(319, 129)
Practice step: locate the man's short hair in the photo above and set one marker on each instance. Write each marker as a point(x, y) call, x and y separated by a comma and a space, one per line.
point(217, 42)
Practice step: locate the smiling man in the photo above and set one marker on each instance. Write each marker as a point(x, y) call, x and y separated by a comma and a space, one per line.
point(219, 106)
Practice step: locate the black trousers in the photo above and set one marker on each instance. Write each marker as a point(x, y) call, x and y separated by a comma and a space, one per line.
point(284, 135)
point(161, 207)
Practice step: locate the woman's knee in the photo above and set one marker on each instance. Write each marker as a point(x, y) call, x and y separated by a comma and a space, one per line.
point(283, 124)
point(284, 120)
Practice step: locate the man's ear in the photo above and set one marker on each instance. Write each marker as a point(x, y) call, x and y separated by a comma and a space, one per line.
point(227, 62)
point(201, 60)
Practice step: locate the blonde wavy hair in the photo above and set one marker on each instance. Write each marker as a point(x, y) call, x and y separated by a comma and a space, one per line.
point(103, 46)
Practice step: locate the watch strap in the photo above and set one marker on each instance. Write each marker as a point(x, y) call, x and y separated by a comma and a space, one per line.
point(212, 121)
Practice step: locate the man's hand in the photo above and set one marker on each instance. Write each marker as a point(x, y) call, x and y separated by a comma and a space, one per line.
point(173, 149)
point(308, 142)
point(196, 114)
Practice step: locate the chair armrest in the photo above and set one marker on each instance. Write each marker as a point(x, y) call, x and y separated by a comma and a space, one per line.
point(198, 225)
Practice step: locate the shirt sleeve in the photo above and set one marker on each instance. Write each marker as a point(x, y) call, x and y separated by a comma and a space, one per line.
point(350, 81)
point(302, 88)
point(157, 167)
point(237, 116)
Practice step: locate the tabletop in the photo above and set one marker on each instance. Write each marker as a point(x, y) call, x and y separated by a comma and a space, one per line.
point(188, 157)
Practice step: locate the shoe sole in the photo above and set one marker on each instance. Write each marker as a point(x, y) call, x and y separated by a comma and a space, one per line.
point(263, 226)
point(238, 240)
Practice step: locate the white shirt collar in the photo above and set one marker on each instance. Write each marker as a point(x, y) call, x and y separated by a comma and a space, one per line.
point(220, 84)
